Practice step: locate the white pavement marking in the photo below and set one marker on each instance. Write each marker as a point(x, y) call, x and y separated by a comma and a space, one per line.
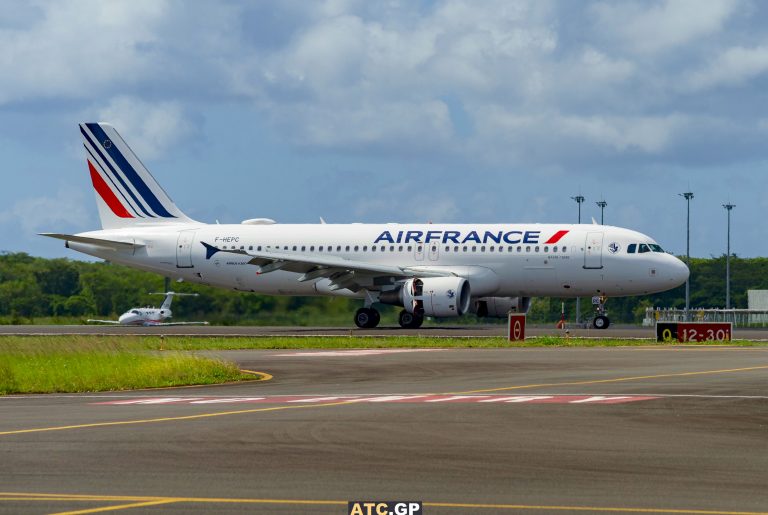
point(306, 399)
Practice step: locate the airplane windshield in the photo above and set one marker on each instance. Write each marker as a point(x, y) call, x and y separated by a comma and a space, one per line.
point(644, 248)
point(135, 312)
point(655, 248)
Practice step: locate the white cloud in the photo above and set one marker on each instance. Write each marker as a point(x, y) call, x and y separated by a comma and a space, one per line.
point(733, 66)
point(36, 214)
point(651, 27)
point(149, 128)
point(76, 49)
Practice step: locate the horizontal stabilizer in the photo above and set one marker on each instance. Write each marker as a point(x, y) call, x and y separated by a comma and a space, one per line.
point(99, 242)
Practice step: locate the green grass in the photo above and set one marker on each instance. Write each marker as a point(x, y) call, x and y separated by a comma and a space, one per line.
point(45, 364)
point(29, 365)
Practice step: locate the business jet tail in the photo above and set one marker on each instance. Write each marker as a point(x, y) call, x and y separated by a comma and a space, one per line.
point(126, 192)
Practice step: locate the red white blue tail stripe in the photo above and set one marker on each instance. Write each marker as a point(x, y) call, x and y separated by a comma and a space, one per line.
point(121, 181)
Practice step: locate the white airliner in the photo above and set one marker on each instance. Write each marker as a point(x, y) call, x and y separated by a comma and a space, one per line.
point(440, 270)
point(151, 316)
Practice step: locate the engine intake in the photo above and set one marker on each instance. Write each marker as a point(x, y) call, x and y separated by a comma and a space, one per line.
point(433, 296)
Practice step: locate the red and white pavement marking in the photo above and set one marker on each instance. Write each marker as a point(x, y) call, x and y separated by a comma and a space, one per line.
point(354, 352)
point(305, 399)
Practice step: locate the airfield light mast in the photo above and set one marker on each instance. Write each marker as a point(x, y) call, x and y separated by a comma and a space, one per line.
point(687, 196)
point(602, 204)
point(728, 208)
point(579, 200)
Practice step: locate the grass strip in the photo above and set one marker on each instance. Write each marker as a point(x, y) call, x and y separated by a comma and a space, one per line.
point(194, 343)
point(90, 365)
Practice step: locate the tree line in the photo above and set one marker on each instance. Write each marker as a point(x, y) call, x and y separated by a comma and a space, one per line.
point(33, 289)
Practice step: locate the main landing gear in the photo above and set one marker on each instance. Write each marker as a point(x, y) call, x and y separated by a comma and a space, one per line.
point(367, 318)
point(410, 320)
point(600, 321)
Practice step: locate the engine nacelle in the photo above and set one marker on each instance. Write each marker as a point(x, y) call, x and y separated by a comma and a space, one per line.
point(433, 296)
point(499, 307)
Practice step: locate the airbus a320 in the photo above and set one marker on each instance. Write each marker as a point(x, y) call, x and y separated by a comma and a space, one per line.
point(429, 270)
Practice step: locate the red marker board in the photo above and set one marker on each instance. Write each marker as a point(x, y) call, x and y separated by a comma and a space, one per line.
point(516, 328)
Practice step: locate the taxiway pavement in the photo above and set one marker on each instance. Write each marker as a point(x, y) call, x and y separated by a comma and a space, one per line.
point(615, 331)
point(518, 430)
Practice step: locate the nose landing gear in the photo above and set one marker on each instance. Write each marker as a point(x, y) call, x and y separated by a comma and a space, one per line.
point(601, 320)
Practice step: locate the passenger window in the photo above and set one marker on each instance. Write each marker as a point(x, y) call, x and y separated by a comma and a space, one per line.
point(491, 248)
point(356, 248)
point(536, 249)
point(373, 248)
point(391, 248)
point(565, 249)
point(464, 249)
point(528, 248)
point(554, 249)
point(447, 248)
point(365, 248)
point(347, 248)
point(400, 248)
point(258, 248)
point(456, 248)
point(312, 248)
point(250, 247)
point(643, 248)
point(474, 248)
point(320, 248)
point(546, 249)
point(519, 249)
point(631, 248)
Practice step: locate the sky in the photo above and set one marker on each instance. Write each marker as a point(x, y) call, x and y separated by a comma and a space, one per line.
point(451, 111)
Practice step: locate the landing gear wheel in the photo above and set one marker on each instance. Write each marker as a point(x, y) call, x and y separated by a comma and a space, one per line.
point(409, 320)
point(601, 322)
point(367, 318)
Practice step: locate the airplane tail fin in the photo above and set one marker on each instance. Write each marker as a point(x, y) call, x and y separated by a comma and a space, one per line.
point(126, 192)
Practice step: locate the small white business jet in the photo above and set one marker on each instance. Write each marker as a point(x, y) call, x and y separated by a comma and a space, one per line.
point(151, 316)
point(439, 270)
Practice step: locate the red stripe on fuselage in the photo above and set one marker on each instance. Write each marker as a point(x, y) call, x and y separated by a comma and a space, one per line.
point(556, 237)
point(107, 195)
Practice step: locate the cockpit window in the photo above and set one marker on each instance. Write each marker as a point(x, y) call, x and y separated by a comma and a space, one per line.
point(655, 248)
point(631, 248)
point(644, 248)
point(135, 312)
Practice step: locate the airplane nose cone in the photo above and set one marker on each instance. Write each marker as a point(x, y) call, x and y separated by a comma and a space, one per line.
point(678, 271)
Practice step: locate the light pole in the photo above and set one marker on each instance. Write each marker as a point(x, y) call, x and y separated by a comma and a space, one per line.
point(579, 199)
point(601, 205)
point(687, 196)
point(728, 208)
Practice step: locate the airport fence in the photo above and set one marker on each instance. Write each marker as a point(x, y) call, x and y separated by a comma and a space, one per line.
point(739, 317)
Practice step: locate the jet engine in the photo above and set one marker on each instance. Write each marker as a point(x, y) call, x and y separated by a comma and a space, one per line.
point(432, 296)
point(499, 307)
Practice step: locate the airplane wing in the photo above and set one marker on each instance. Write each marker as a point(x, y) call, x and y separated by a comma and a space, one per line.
point(342, 272)
point(91, 321)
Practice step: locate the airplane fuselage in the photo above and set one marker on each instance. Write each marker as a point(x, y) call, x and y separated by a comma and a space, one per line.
point(502, 260)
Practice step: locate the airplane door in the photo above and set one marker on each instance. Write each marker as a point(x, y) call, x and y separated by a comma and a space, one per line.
point(418, 252)
point(184, 249)
point(434, 251)
point(593, 250)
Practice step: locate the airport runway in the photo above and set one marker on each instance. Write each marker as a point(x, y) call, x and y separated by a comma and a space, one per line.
point(467, 431)
point(616, 331)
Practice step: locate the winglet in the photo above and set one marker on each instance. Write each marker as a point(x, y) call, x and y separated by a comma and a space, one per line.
point(210, 250)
